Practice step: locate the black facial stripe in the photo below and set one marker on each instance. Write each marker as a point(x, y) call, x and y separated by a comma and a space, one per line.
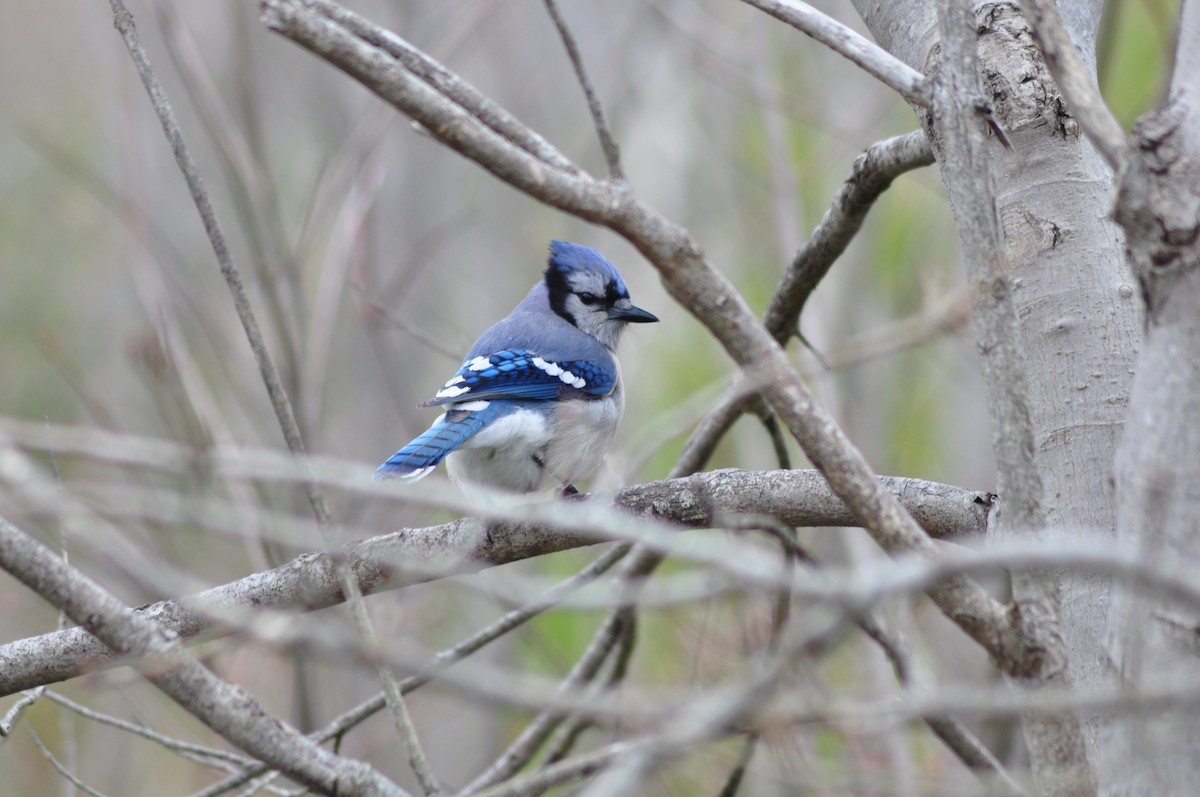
point(613, 294)
point(559, 290)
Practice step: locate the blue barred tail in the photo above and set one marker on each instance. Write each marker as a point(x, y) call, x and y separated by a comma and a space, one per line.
point(421, 456)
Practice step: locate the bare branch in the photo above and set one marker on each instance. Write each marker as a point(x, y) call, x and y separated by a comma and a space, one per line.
point(612, 154)
point(270, 376)
point(952, 732)
point(233, 280)
point(523, 748)
point(872, 173)
point(226, 708)
point(195, 751)
point(14, 714)
point(879, 63)
point(1076, 84)
point(580, 766)
point(477, 105)
point(442, 660)
point(60, 767)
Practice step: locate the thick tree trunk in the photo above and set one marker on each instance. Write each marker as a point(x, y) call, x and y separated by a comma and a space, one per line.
point(1158, 467)
point(1074, 296)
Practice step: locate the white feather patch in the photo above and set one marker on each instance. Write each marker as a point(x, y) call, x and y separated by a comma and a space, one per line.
point(523, 429)
point(480, 363)
point(473, 406)
point(554, 369)
point(450, 391)
point(571, 379)
point(418, 474)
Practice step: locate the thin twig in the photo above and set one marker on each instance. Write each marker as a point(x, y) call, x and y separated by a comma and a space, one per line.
point(523, 748)
point(14, 714)
point(617, 665)
point(441, 79)
point(580, 766)
point(778, 442)
point(1076, 83)
point(612, 154)
point(961, 742)
point(200, 752)
point(280, 402)
point(349, 719)
point(879, 63)
point(123, 21)
point(740, 767)
point(712, 714)
point(871, 174)
point(226, 708)
point(58, 765)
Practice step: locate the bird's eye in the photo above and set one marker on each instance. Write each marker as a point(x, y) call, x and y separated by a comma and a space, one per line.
point(588, 298)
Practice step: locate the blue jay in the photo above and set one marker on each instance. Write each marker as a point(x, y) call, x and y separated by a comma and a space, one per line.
point(538, 398)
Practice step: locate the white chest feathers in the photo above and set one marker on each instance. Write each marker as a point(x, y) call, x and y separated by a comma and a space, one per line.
point(526, 450)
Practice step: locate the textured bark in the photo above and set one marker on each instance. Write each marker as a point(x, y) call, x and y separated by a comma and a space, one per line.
point(1056, 747)
point(1158, 468)
point(1074, 300)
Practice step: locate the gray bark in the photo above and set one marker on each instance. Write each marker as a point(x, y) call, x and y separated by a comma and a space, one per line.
point(1075, 304)
point(1158, 466)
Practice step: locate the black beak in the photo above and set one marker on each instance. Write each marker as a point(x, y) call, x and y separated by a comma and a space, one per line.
point(631, 314)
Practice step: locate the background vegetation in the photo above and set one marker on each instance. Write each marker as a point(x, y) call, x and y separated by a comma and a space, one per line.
point(374, 258)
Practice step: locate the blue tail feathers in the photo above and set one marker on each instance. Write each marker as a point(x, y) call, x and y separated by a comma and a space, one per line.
point(422, 455)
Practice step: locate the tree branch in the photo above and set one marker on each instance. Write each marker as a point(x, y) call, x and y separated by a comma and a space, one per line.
point(280, 403)
point(612, 154)
point(798, 498)
point(513, 619)
point(872, 173)
point(687, 276)
point(1075, 82)
point(879, 63)
point(226, 708)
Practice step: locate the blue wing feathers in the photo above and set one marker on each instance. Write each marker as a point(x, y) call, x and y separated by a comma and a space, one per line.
point(522, 374)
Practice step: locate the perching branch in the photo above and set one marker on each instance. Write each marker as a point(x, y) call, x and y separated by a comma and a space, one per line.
point(798, 498)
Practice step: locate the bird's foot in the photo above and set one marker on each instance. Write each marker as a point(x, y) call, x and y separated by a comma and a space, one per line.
point(571, 492)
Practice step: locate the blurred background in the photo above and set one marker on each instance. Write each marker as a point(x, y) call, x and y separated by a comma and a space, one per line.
point(374, 257)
